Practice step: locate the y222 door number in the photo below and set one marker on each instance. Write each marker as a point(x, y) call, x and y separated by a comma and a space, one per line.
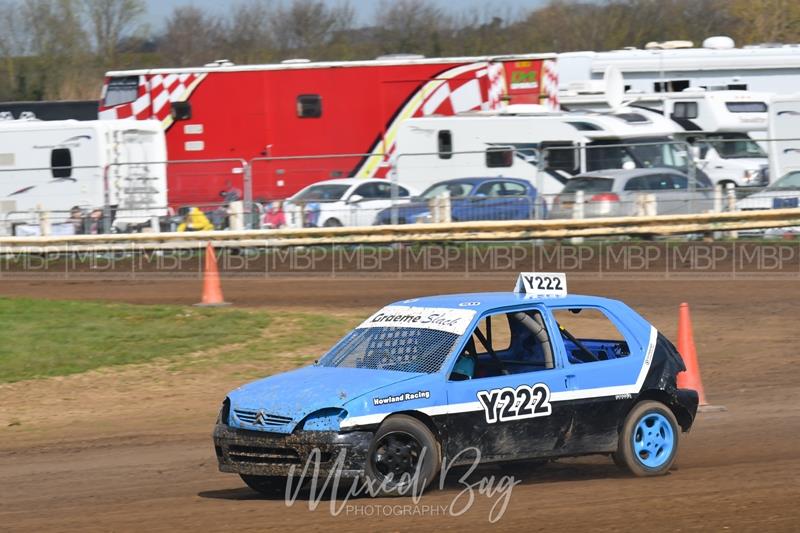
point(526, 401)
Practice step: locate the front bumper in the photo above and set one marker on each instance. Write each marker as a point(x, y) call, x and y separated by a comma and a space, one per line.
point(261, 453)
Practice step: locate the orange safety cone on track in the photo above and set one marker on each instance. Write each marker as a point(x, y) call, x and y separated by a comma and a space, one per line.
point(690, 379)
point(212, 289)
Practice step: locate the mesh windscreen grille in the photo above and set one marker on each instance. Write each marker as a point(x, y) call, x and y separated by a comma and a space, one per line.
point(402, 349)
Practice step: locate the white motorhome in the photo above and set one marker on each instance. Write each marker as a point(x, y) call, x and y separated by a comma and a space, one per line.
point(52, 166)
point(724, 126)
point(507, 143)
point(672, 67)
point(784, 127)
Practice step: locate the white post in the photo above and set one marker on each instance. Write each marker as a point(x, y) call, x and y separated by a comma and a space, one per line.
point(155, 225)
point(44, 221)
point(578, 213)
point(236, 216)
point(639, 203)
point(650, 205)
point(731, 194)
point(717, 207)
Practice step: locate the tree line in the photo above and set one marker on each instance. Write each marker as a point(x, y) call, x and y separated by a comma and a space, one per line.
point(60, 49)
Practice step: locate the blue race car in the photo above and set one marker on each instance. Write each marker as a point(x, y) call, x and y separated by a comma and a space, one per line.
point(533, 374)
point(471, 199)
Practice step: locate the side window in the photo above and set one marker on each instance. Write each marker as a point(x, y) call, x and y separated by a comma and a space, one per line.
point(659, 182)
point(61, 162)
point(181, 110)
point(368, 190)
point(678, 181)
point(636, 184)
point(402, 192)
point(499, 157)
point(589, 336)
point(309, 106)
point(685, 110)
point(383, 190)
point(505, 343)
point(490, 188)
point(445, 141)
point(511, 188)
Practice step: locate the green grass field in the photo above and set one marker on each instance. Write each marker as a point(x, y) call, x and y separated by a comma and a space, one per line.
point(42, 338)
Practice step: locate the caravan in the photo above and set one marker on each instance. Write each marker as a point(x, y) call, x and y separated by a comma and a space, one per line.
point(50, 167)
point(723, 126)
point(508, 144)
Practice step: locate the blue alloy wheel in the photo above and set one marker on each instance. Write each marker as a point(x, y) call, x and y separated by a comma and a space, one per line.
point(653, 440)
point(648, 440)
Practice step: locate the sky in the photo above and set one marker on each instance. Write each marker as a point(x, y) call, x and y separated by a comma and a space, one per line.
point(159, 10)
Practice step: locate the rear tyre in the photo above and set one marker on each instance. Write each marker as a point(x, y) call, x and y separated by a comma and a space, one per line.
point(332, 223)
point(266, 485)
point(403, 459)
point(648, 441)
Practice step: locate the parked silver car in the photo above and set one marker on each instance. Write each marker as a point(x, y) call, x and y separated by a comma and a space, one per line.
point(609, 193)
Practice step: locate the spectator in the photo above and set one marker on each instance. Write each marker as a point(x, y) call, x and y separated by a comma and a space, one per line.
point(96, 221)
point(76, 219)
point(195, 220)
point(274, 218)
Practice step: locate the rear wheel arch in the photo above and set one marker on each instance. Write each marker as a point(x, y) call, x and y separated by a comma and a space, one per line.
point(683, 416)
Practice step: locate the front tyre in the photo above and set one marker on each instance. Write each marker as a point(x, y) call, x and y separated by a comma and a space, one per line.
point(267, 485)
point(403, 459)
point(648, 441)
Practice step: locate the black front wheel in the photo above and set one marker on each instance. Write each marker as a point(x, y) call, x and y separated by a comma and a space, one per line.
point(404, 458)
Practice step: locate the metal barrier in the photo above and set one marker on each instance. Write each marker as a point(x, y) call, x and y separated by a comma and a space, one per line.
point(512, 183)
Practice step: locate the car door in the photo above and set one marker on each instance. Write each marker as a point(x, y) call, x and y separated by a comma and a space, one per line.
point(598, 382)
point(507, 415)
point(487, 202)
point(376, 196)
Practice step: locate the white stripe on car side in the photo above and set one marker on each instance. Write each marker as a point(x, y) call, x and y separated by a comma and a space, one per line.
point(467, 407)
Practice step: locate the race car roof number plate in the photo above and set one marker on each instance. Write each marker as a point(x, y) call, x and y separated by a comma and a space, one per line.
point(542, 284)
point(439, 318)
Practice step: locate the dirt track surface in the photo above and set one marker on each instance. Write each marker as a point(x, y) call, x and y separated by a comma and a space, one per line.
point(130, 448)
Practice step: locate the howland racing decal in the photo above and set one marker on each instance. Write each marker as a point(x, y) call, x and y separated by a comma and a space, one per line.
point(402, 397)
point(506, 404)
point(400, 316)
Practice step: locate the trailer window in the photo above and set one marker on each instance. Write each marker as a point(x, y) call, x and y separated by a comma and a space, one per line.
point(61, 163)
point(499, 156)
point(445, 144)
point(122, 90)
point(685, 110)
point(671, 86)
point(181, 111)
point(309, 106)
point(746, 107)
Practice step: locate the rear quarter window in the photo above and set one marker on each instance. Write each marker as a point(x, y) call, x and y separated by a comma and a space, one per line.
point(589, 185)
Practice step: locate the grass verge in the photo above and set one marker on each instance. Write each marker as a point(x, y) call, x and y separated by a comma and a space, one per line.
point(43, 338)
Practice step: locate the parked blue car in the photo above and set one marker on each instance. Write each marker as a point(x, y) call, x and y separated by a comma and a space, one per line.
point(495, 198)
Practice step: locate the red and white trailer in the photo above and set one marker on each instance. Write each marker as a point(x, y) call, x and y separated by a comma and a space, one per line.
point(301, 108)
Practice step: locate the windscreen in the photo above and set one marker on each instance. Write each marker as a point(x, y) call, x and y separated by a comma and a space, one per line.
point(400, 338)
point(789, 181)
point(121, 90)
point(736, 145)
point(588, 185)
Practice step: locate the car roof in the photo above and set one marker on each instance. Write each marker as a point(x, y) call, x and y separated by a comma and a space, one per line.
point(627, 173)
point(346, 181)
point(474, 180)
point(487, 301)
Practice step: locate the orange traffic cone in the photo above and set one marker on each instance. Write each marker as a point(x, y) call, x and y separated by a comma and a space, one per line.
point(212, 290)
point(690, 379)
